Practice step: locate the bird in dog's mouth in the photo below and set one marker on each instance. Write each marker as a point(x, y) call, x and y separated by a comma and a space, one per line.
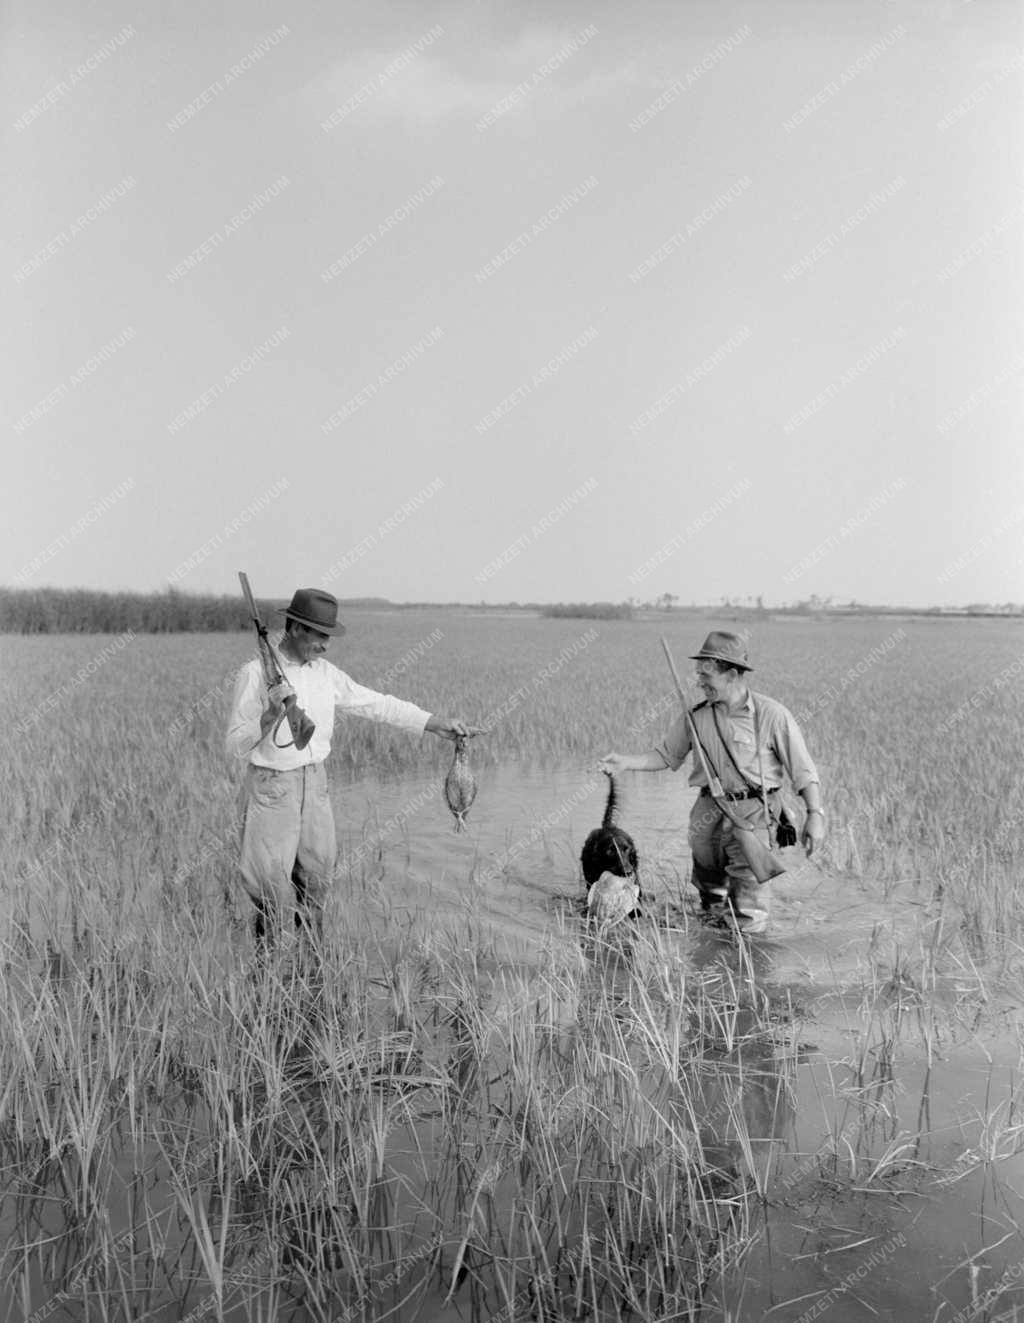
point(609, 864)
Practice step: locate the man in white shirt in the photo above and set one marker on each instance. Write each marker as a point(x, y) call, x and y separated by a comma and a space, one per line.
point(288, 842)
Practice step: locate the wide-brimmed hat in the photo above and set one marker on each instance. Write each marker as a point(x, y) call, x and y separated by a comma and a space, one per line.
point(723, 647)
point(315, 609)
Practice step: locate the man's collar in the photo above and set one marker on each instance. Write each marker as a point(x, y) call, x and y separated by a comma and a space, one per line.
point(286, 656)
point(745, 702)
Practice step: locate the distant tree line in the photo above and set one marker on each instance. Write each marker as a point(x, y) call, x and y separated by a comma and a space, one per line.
point(590, 610)
point(84, 611)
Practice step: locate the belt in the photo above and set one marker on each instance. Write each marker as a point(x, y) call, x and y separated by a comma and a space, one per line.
point(753, 793)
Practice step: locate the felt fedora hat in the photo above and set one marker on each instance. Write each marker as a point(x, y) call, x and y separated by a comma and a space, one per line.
point(315, 609)
point(723, 647)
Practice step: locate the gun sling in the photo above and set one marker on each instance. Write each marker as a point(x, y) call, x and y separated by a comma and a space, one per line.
point(762, 862)
point(785, 830)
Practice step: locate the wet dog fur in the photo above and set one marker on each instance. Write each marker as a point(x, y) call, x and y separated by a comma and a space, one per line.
point(609, 849)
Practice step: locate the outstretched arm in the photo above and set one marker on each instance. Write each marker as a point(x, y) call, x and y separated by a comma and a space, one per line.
point(451, 727)
point(670, 753)
point(651, 761)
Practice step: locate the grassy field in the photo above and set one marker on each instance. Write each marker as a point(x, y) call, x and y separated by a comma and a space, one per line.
point(408, 1127)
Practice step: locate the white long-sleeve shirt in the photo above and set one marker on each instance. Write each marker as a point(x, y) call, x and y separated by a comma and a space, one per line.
point(320, 689)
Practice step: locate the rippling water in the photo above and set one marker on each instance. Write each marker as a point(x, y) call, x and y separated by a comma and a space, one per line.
point(836, 958)
point(519, 860)
point(519, 857)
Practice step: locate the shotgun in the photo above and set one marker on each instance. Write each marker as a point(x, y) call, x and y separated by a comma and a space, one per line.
point(760, 860)
point(299, 724)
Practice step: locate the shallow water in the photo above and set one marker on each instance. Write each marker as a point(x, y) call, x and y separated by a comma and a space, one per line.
point(879, 1119)
point(887, 1139)
point(518, 862)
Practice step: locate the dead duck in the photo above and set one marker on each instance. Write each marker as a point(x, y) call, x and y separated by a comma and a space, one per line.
point(612, 898)
point(460, 783)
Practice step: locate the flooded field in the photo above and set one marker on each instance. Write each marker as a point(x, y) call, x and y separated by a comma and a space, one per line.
point(876, 1074)
point(469, 1107)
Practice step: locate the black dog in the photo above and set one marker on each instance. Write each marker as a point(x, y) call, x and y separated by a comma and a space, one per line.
point(609, 863)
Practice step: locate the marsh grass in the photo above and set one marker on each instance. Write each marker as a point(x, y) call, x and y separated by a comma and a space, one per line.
point(330, 1133)
point(411, 1118)
point(403, 1120)
point(908, 797)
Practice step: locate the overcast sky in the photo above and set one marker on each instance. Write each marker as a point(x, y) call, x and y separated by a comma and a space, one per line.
point(508, 301)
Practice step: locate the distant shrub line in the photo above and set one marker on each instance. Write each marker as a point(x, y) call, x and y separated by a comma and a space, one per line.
point(86, 611)
point(590, 610)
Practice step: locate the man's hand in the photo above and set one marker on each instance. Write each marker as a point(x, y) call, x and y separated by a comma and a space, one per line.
point(278, 695)
point(450, 727)
point(613, 763)
point(814, 831)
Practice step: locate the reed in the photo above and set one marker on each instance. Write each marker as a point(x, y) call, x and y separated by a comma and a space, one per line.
point(408, 1118)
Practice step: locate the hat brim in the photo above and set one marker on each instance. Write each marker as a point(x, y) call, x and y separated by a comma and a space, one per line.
point(318, 625)
point(717, 656)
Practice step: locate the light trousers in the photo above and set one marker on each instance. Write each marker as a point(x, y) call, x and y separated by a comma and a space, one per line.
point(288, 842)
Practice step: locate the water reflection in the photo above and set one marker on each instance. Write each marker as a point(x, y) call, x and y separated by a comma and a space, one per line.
point(519, 860)
point(740, 1024)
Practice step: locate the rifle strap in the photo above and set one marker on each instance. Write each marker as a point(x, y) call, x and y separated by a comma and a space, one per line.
point(728, 752)
point(710, 772)
point(760, 762)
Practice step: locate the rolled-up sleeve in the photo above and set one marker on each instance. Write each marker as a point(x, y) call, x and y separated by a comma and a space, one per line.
point(363, 702)
point(676, 744)
point(792, 751)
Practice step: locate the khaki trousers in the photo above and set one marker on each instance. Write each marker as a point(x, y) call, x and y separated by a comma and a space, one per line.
point(288, 842)
point(720, 872)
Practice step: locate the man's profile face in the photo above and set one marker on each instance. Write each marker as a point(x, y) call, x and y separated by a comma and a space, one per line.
point(715, 683)
point(306, 644)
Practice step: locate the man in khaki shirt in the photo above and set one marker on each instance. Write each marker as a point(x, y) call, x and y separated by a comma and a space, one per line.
point(751, 743)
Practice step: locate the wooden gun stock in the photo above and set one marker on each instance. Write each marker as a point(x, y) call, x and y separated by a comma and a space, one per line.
point(299, 723)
